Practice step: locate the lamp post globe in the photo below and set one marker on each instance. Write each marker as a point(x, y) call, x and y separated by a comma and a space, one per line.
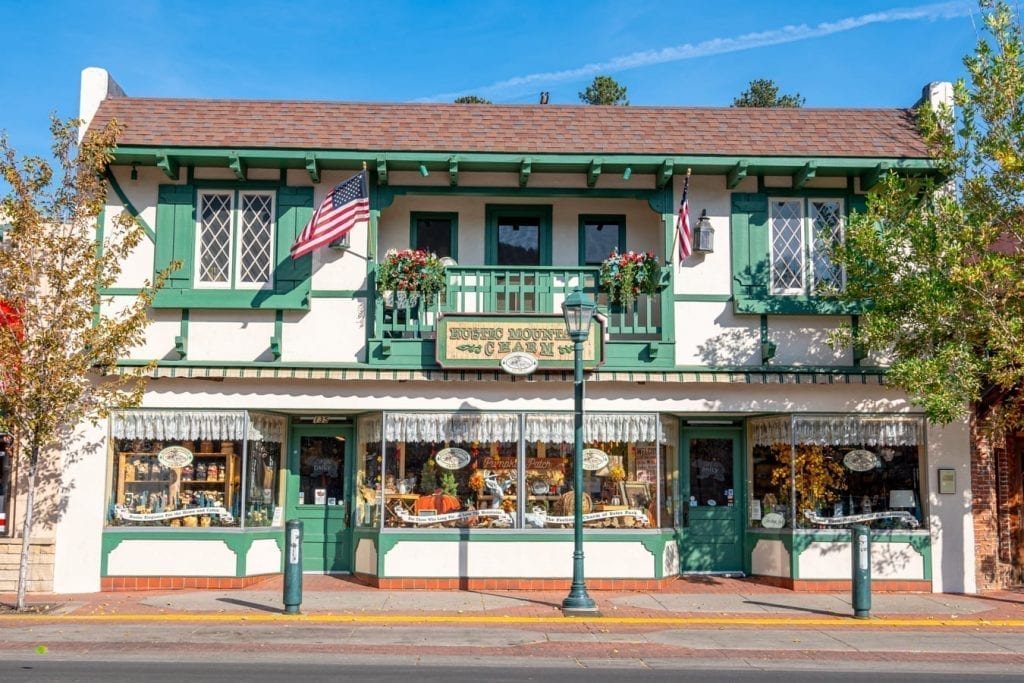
point(578, 309)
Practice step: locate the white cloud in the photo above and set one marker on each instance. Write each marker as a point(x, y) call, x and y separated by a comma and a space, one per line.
point(749, 41)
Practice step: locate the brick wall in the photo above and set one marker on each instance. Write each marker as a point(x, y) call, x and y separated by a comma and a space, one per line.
point(997, 508)
point(40, 565)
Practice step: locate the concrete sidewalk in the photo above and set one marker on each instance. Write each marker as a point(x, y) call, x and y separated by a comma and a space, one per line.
point(697, 599)
point(712, 619)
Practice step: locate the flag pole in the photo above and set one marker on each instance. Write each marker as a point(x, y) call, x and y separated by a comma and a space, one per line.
point(675, 232)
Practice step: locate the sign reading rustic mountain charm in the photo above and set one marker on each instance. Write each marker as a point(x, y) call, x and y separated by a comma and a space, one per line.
point(486, 341)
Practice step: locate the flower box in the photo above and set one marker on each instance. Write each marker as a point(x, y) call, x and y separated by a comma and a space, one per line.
point(626, 276)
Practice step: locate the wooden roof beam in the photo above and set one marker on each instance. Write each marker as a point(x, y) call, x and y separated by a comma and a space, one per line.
point(806, 173)
point(238, 166)
point(313, 168)
point(166, 164)
point(453, 171)
point(664, 173)
point(594, 172)
point(736, 175)
point(525, 168)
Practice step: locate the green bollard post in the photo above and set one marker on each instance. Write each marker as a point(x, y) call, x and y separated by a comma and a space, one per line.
point(292, 566)
point(860, 537)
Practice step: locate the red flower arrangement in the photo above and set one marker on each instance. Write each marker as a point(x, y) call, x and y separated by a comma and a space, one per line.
point(625, 276)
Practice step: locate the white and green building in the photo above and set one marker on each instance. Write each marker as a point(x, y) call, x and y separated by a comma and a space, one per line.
point(296, 390)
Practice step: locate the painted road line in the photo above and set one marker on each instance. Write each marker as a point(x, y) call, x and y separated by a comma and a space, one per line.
point(469, 619)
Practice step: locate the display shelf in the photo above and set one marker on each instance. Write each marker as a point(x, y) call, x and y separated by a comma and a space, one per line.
point(141, 478)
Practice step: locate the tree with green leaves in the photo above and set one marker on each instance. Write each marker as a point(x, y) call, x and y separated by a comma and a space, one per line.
point(765, 93)
point(472, 99)
point(60, 341)
point(940, 260)
point(604, 90)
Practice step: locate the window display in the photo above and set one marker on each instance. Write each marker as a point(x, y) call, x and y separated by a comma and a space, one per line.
point(835, 471)
point(441, 470)
point(194, 469)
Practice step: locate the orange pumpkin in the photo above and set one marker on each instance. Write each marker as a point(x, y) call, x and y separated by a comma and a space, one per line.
point(439, 502)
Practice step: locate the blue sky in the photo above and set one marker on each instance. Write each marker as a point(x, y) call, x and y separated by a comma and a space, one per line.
point(867, 53)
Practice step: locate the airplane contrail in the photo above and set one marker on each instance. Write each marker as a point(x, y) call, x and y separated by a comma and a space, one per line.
point(747, 41)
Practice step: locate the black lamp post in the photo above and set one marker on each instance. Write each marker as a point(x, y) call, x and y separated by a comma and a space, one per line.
point(578, 310)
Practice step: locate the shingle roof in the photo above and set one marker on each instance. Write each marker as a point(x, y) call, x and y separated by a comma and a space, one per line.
point(534, 129)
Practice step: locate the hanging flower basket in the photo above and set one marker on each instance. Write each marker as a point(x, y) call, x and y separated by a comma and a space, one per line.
point(406, 276)
point(626, 276)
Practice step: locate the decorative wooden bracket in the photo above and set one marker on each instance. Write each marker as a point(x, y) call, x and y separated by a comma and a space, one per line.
point(453, 171)
point(181, 345)
point(166, 164)
point(736, 175)
point(275, 347)
point(524, 171)
point(664, 173)
point(594, 172)
point(806, 173)
point(313, 168)
point(871, 178)
point(382, 171)
point(238, 166)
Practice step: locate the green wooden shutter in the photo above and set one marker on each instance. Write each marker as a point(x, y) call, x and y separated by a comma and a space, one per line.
point(750, 267)
point(175, 233)
point(294, 209)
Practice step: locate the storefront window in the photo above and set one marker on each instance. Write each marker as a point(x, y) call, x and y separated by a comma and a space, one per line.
point(442, 470)
point(835, 471)
point(194, 469)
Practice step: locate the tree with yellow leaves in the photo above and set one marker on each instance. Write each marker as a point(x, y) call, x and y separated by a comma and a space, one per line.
point(59, 346)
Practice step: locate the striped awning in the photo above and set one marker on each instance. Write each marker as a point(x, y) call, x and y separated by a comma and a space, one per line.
point(753, 376)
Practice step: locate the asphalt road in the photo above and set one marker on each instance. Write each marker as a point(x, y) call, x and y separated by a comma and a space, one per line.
point(66, 670)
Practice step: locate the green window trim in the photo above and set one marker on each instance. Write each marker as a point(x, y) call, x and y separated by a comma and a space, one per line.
point(494, 212)
point(451, 216)
point(175, 241)
point(605, 219)
point(751, 268)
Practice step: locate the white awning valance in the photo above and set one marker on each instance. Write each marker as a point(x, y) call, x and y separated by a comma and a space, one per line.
point(189, 425)
point(488, 427)
point(838, 430)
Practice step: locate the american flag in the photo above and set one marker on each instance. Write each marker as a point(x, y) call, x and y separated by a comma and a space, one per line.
point(344, 206)
point(685, 234)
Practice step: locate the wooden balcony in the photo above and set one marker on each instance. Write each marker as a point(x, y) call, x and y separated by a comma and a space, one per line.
point(405, 327)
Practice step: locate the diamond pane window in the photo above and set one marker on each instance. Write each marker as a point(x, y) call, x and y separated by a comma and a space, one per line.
point(787, 247)
point(827, 228)
point(214, 239)
point(256, 239)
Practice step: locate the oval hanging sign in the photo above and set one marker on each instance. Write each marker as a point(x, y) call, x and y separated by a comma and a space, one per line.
point(519, 363)
point(594, 459)
point(174, 456)
point(773, 520)
point(452, 458)
point(860, 460)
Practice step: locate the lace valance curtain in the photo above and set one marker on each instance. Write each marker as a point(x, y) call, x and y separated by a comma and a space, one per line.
point(596, 427)
point(838, 430)
point(552, 428)
point(189, 425)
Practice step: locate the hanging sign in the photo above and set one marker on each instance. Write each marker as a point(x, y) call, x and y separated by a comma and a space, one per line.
point(452, 458)
point(860, 460)
point(594, 459)
point(174, 456)
point(519, 363)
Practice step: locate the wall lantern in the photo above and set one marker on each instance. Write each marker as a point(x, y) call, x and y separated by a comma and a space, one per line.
point(704, 235)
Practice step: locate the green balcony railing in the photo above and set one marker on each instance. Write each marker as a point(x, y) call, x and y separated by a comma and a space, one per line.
point(524, 290)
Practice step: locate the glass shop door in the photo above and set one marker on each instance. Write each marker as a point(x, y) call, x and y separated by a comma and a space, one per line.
point(319, 494)
point(712, 501)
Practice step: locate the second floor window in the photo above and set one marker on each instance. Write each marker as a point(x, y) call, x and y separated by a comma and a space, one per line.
point(801, 233)
point(235, 239)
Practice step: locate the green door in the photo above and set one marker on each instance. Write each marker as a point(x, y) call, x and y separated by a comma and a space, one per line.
point(318, 494)
point(712, 504)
